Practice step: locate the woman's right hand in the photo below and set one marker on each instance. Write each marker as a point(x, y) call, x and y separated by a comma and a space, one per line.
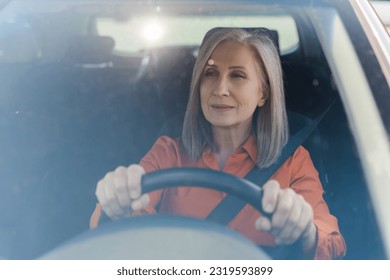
point(119, 192)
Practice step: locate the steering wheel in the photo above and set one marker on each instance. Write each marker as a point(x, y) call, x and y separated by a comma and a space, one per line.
point(170, 237)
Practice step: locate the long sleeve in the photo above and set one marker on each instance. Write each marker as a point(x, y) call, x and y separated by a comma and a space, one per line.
point(305, 181)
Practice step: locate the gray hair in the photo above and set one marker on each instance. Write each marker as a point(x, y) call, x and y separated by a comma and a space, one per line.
point(270, 126)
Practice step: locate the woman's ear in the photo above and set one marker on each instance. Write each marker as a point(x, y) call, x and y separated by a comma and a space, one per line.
point(261, 101)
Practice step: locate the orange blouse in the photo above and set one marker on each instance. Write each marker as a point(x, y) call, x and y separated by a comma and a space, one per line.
point(298, 173)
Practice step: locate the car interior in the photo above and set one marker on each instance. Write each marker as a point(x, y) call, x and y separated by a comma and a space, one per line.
point(73, 109)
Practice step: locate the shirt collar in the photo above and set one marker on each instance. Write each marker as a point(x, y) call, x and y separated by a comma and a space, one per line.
point(249, 147)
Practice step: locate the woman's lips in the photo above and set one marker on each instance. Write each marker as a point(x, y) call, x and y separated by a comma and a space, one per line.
point(221, 107)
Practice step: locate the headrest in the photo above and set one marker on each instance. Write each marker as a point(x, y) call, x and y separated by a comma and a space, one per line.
point(18, 44)
point(272, 34)
point(90, 49)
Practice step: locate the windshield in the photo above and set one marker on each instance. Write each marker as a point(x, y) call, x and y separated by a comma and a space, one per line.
point(87, 86)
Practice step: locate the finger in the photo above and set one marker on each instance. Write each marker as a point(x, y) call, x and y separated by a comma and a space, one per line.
point(263, 224)
point(270, 196)
point(282, 211)
point(134, 175)
point(286, 235)
point(305, 219)
point(113, 207)
point(121, 189)
point(140, 203)
point(101, 197)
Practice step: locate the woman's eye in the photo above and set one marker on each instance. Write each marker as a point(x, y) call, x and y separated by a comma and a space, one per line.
point(210, 73)
point(238, 75)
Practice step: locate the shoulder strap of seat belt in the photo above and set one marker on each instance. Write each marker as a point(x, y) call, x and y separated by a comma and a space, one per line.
point(230, 206)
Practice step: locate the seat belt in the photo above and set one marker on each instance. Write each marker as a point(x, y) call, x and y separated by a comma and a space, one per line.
point(230, 205)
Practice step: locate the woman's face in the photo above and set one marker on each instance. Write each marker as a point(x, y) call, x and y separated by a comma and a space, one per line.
point(230, 87)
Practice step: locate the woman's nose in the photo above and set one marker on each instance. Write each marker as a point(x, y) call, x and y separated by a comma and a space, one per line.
point(221, 87)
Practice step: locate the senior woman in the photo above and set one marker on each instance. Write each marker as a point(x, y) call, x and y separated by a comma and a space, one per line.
point(235, 120)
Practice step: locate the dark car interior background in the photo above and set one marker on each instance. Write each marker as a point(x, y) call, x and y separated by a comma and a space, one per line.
point(71, 109)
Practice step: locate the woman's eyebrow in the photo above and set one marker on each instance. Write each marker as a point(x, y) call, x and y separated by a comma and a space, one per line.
point(234, 67)
point(238, 67)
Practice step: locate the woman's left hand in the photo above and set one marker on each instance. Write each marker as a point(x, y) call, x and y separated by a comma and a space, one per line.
point(291, 217)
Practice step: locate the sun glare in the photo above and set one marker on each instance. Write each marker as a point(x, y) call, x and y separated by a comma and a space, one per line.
point(153, 31)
